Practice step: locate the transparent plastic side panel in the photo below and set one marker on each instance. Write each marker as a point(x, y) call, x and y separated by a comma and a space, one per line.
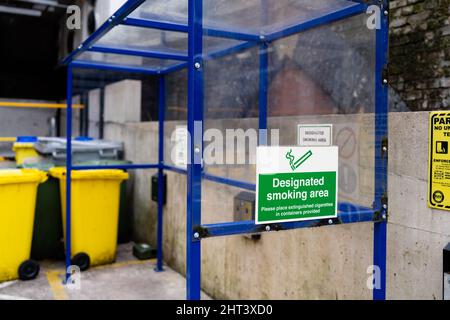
point(327, 76)
point(126, 60)
point(230, 130)
point(126, 102)
point(175, 126)
point(322, 76)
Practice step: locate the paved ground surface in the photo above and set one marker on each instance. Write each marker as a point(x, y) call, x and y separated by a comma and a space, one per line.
point(127, 279)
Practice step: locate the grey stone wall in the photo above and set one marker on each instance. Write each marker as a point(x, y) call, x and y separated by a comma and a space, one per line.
point(420, 53)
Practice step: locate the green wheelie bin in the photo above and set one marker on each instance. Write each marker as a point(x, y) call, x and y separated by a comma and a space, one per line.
point(47, 233)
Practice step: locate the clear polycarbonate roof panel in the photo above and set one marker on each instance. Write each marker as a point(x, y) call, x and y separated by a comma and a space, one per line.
point(126, 60)
point(175, 11)
point(128, 37)
point(249, 16)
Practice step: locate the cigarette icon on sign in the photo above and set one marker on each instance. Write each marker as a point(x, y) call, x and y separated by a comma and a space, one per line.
point(295, 164)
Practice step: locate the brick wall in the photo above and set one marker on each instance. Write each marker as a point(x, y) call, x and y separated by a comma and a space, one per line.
point(420, 53)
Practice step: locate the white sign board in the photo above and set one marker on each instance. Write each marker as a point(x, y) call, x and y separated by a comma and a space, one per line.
point(296, 183)
point(180, 151)
point(315, 135)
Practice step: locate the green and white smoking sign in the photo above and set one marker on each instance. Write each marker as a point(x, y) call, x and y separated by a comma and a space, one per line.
point(296, 183)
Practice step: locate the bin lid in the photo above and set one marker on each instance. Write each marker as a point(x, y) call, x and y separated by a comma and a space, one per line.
point(31, 139)
point(104, 162)
point(81, 138)
point(48, 146)
point(14, 176)
point(23, 145)
point(110, 174)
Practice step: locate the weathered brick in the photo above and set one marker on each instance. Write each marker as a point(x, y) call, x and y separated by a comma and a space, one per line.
point(420, 52)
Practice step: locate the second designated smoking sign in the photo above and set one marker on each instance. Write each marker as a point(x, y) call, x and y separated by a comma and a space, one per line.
point(296, 183)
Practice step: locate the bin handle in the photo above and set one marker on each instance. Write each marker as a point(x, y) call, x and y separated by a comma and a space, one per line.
point(104, 154)
point(58, 155)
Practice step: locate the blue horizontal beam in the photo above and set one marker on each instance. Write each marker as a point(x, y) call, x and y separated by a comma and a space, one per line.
point(230, 182)
point(174, 68)
point(121, 167)
point(228, 51)
point(218, 179)
point(140, 53)
point(175, 169)
point(318, 21)
point(121, 14)
point(230, 35)
point(152, 24)
point(179, 27)
point(103, 66)
point(246, 227)
point(375, 2)
point(214, 55)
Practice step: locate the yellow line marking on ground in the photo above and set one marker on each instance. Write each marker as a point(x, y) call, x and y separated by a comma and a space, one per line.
point(56, 286)
point(115, 265)
point(125, 264)
point(39, 105)
point(7, 284)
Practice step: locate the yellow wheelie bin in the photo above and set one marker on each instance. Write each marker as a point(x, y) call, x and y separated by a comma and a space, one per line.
point(18, 189)
point(94, 214)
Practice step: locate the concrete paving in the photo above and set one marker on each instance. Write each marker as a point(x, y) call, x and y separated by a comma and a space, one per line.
point(127, 279)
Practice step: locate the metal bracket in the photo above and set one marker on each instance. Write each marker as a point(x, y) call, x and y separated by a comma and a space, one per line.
point(382, 214)
point(329, 222)
point(385, 74)
point(384, 147)
point(202, 232)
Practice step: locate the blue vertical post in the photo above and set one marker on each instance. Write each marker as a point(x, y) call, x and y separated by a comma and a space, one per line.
point(381, 133)
point(69, 169)
point(195, 149)
point(161, 119)
point(263, 92)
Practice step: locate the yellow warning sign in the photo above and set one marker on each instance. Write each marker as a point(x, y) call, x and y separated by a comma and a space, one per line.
point(439, 161)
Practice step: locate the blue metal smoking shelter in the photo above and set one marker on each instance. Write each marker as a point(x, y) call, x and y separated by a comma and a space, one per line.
point(192, 21)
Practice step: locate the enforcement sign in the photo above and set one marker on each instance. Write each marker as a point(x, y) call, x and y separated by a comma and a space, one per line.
point(439, 161)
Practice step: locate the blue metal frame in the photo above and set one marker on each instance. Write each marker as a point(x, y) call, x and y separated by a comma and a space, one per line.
point(263, 91)
point(243, 227)
point(69, 172)
point(381, 162)
point(120, 167)
point(194, 168)
point(139, 52)
point(194, 60)
point(161, 121)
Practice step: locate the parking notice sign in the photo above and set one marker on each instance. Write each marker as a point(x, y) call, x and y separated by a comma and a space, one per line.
point(296, 183)
point(439, 161)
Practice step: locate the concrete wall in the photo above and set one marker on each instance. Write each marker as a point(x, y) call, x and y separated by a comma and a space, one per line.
point(122, 123)
point(75, 119)
point(23, 122)
point(320, 263)
point(416, 233)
